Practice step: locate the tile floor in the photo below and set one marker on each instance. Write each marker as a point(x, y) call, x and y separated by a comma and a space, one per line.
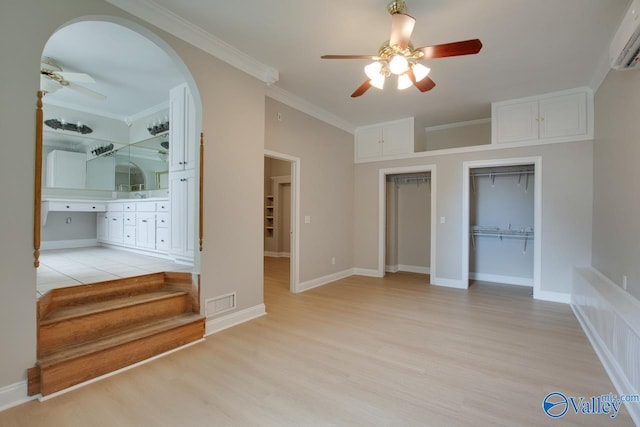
point(70, 267)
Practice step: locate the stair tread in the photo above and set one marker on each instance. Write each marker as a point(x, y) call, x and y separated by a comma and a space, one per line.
point(73, 311)
point(132, 334)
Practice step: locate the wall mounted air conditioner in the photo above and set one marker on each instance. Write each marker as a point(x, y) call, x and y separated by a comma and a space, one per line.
point(624, 52)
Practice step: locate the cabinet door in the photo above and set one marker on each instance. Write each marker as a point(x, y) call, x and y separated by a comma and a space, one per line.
point(177, 98)
point(129, 238)
point(368, 143)
point(182, 221)
point(563, 116)
point(146, 230)
point(66, 169)
point(397, 138)
point(516, 122)
point(190, 137)
point(102, 227)
point(116, 227)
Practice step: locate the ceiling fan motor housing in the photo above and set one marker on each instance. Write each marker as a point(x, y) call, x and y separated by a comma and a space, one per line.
point(397, 6)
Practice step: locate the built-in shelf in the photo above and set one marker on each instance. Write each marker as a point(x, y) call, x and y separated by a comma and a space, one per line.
point(269, 216)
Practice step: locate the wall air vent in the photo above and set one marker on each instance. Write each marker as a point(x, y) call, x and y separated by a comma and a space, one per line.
point(220, 304)
point(624, 52)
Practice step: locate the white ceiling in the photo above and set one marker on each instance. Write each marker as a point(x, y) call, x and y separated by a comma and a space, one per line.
point(134, 73)
point(530, 47)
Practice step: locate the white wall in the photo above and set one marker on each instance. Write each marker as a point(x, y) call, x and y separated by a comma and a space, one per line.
point(616, 208)
point(462, 136)
point(233, 124)
point(566, 209)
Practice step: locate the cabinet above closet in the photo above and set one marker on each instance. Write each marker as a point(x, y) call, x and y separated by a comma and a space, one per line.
point(555, 117)
point(384, 140)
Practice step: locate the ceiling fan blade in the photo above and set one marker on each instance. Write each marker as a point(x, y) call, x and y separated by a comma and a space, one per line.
point(362, 89)
point(401, 29)
point(87, 92)
point(371, 57)
point(424, 84)
point(76, 77)
point(467, 47)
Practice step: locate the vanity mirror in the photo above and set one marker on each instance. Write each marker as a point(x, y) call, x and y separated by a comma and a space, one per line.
point(71, 163)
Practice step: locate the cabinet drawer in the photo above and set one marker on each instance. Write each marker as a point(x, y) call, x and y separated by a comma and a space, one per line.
point(145, 207)
point(162, 239)
point(129, 235)
point(129, 207)
point(162, 220)
point(162, 206)
point(77, 207)
point(115, 207)
point(129, 219)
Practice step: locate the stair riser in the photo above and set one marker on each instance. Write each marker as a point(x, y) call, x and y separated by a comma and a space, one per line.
point(71, 372)
point(60, 334)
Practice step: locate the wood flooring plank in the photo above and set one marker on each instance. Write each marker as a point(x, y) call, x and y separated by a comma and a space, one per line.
point(361, 351)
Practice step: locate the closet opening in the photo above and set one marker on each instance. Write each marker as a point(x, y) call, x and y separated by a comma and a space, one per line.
point(407, 223)
point(501, 223)
point(280, 220)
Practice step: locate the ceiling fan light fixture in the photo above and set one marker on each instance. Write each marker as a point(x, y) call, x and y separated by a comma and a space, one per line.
point(420, 71)
point(373, 70)
point(398, 65)
point(378, 81)
point(404, 81)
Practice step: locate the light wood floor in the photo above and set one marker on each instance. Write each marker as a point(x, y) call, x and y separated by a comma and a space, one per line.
point(358, 352)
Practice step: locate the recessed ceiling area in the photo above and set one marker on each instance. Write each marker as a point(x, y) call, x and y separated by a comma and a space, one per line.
point(130, 70)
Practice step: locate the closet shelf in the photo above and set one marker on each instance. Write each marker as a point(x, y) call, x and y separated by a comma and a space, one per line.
point(525, 233)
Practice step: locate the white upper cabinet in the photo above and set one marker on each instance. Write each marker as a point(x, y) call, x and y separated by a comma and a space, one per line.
point(384, 140)
point(182, 133)
point(557, 117)
point(66, 169)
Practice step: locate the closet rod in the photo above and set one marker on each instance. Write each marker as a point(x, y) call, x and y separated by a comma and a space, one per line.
point(527, 172)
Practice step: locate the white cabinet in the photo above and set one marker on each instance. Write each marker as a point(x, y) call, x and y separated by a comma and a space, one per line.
point(135, 224)
point(557, 117)
point(182, 190)
point(66, 169)
point(182, 129)
point(384, 140)
point(146, 230)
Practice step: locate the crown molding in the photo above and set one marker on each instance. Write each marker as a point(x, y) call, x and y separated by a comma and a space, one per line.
point(147, 112)
point(306, 107)
point(176, 25)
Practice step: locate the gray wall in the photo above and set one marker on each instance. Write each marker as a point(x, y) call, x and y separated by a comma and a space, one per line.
point(233, 124)
point(566, 209)
point(454, 137)
point(414, 225)
point(326, 186)
point(616, 208)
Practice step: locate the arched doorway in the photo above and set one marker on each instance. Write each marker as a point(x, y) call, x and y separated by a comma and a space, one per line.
point(117, 79)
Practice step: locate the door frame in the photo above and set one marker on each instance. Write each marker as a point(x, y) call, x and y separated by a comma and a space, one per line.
point(382, 213)
point(537, 216)
point(294, 276)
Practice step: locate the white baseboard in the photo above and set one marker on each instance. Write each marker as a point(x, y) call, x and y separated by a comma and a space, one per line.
point(14, 395)
point(314, 283)
point(366, 272)
point(391, 268)
point(552, 296)
point(449, 283)
point(610, 318)
point(277, 254)
point(507, 280)
point(68, 244)
point(221, 323)
point(414, 269)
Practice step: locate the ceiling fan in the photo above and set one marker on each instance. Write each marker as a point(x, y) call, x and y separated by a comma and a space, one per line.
point(398, 56)
point(52, 78)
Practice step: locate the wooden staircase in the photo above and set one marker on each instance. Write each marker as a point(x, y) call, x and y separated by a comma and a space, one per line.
point(91, 330)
